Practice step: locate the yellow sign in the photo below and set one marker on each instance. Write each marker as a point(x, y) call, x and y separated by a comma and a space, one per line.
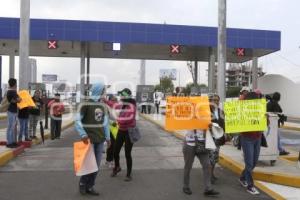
point(245, 116)
point(187, 113)
point(26, 100)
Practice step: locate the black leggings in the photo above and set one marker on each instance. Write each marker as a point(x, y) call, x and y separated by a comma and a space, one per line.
point(122, 137)
point(110, 150)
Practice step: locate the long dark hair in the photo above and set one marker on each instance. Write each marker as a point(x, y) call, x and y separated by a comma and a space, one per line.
point(252, 95)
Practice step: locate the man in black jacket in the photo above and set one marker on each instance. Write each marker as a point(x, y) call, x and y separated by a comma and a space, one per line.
point(273, 106)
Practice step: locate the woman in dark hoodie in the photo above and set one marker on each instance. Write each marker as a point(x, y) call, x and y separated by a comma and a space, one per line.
point(125, 120)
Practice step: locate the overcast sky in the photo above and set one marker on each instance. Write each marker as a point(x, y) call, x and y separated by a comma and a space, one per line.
point(282, 15)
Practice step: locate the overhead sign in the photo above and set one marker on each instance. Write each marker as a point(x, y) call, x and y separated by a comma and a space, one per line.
point(144, 93)
point(175, 49)
point(52, 44)
point(245, 115)
point(168, 73)
point(187, 113)
point(49, 77)
point(37, 86)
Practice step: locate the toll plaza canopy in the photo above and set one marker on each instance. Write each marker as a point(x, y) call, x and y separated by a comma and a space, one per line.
point(63, 38)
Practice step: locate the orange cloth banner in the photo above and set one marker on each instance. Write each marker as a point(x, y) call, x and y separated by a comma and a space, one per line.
point(187, 113)
point(26, 99)
point(84, 159)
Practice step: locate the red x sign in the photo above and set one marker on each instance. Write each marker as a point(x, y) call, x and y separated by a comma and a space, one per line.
point(175, 49)
point(240, 52)
point(52, 44)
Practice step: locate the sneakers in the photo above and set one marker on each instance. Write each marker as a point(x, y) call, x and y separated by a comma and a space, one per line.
point(187, 191)
point(12, 145)
point(284, 153)
point(110, 164)
point(252, 190)
point(82, 189)
point(128, 179)
point(211, 193)
point(92, 192)
point(243, 183)
point(115, 171)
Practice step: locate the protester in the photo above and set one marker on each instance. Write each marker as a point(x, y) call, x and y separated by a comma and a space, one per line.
point(13, 99)
point(157, 98)
point(244, 91)
point(34, 114)
point(23, 116)
point(273, 106)
point(236, 139)
point(250, 142)
point(126, 120)
point(112, 103)
point(218, 118)
point(144, 108)
point(56, 111)
point(93, 126)
point(192, 138)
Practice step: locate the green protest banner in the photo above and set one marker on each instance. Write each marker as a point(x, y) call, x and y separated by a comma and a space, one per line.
point(245, 116)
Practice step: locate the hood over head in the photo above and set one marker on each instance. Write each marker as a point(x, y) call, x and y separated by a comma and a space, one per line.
point(97, 91)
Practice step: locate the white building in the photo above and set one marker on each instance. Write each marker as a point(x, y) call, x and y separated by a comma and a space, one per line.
point(288, 89)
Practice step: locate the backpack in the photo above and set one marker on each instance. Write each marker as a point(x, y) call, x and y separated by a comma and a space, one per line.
point(4, 104)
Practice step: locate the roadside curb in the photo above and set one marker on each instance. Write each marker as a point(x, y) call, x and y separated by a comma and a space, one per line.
point(268, 191)
point(10, 154)
point(291, 128)
point(237, 168)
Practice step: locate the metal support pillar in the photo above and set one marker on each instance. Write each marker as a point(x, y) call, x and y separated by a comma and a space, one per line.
point(24, 44)
point(143, 72)
point(82, 71)
point(211, 71)
point(88, 64)
point(254, 73)
point(222, 57)
point(11, 66)
point(196, 72)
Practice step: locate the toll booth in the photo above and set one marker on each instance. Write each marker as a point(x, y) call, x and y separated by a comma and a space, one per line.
point(271, 152)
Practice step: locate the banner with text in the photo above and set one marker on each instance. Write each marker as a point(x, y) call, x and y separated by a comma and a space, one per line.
point(187, 113)
point(245, 116)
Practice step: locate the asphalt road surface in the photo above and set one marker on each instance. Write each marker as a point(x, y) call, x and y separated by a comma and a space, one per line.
point(45, 172)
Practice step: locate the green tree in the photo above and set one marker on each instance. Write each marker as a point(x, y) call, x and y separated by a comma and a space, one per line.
point(187, 89)
point(233, 92)
point(166, 85)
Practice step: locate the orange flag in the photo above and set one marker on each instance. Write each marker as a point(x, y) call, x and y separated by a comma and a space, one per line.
point(84, 159)
point(26, 100)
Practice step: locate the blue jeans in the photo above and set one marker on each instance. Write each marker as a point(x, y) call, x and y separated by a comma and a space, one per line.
point(23, 128)
point(251, 150)
point(11, 124)
point(89, 179)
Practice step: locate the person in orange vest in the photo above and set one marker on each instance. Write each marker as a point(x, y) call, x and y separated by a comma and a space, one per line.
point(56, 111)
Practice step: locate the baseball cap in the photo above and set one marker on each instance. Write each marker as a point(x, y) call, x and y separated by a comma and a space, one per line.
point(245, 88)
